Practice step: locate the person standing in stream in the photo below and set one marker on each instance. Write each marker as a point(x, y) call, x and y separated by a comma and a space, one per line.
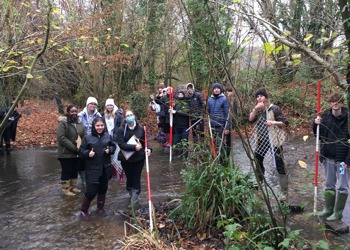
point(70, 132)
point(133, 164)
point(335, 156)
point(87, 115)
point(96, 149)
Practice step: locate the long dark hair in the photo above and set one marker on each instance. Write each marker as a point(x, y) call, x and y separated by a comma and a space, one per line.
point(96, 120)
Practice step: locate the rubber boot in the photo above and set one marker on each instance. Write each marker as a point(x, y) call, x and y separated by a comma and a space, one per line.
point(121, 178)
point(82, 178)
point(101, 198)
point(134, 197)
point(339, 207)
point(8, 148)
point(167, 143)
point(283, 197)
point(66, 188)
point(84, 212)
point(329, 201)
point(73, 186)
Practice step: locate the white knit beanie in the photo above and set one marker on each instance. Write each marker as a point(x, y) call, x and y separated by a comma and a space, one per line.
point(91, 100)
point(109, 102)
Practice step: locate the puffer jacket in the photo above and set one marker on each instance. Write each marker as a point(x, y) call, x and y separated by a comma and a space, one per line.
point(100, 161)
point(84, 119)
point(124, 133)
point(67, 135)
point(196, 104)
point(218, 108)
point(334, 137)
point(181, 117)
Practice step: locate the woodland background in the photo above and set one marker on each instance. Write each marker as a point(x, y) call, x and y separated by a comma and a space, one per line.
point(66, 50)
point(56, 52)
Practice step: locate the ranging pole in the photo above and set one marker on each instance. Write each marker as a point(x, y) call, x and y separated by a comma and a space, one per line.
point(171, 105)
point(317, 145)
point(148, 185)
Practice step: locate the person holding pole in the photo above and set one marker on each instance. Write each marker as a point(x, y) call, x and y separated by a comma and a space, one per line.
point(181, 121)
point(335, 156)
point(270, 121)
point(130, 137)
point(218, 109)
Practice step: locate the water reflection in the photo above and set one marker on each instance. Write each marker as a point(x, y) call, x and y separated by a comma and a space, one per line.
point(35, 215)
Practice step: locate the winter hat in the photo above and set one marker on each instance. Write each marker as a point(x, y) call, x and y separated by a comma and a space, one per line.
point(190, 86)
point(182, 92)
point(217, 85)
point(91, 100)
point(109, 102)
point(261, 92)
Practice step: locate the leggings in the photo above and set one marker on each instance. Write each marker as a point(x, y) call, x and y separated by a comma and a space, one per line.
point(69, 167)
point(92, 189)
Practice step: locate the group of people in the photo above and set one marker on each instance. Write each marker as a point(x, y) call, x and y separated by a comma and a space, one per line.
point(93, 139)
point(270, 123)
point(93, 144)
point(9, 132)
point(188, 108)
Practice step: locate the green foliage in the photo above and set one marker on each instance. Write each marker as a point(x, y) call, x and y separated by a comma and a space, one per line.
point(213, 190)
point(138, 103)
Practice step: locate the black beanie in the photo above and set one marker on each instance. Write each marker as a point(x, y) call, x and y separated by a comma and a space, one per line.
point(261, 92)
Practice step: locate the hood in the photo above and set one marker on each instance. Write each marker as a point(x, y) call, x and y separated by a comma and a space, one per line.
point(93, 130)
point(64, 118)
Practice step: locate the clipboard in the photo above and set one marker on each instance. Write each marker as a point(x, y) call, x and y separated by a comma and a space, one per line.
point(132, 141)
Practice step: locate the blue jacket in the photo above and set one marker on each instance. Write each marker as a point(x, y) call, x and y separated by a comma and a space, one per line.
point(87, 123)
point(218, 108)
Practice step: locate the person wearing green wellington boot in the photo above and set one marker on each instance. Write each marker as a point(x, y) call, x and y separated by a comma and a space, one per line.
point(335, 156)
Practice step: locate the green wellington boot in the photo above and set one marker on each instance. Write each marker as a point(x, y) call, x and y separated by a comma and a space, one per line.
point(339, 207)
point(329, 200)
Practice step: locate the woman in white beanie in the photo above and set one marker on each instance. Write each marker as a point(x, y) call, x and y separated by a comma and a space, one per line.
point(113, 117)
point(89, 113)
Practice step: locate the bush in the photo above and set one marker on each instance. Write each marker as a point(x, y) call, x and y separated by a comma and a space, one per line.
point(139, 103)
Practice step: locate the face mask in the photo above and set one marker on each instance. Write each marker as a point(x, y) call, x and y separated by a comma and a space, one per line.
point(130, 119)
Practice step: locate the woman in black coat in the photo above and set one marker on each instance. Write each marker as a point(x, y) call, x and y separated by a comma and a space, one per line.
point(96, 149)
point(131, 140)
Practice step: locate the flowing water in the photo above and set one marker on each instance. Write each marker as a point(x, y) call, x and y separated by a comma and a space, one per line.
point(35, 215)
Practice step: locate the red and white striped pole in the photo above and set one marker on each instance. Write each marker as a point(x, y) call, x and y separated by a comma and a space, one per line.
point(171, 104)
point(317, 145)
point(148, 185)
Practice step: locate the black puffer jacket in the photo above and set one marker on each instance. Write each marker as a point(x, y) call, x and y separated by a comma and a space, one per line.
point(196, 104)
point(101, 160)
point(181, 117)
point(124, 133)
point(334, 137)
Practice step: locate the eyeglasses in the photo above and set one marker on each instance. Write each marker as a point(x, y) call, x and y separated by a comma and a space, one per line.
point(95, 104)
